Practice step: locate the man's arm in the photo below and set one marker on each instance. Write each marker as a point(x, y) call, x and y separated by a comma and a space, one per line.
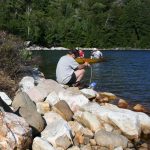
point(82, 66)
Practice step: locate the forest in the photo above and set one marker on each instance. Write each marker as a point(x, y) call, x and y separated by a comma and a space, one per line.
point(78, 23)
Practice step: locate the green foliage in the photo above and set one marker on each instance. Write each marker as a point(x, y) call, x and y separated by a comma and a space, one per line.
point(94, 23)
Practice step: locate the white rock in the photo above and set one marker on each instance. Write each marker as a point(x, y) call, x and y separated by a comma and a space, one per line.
point(41, 144)
point(41, 91)
point(55, 130)
point(108, 127)
point(52, 98)
point(88, 119)
point(26, 83)
point(74, 100)
point(145, 122)
point(51, 117)
point(118, 148)
point(90, 92)
point(5, 98)
point(126, 120)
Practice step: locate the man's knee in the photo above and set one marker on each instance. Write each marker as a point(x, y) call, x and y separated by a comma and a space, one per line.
point(79, 72)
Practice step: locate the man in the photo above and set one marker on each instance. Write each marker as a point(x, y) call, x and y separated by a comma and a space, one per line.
point(96, 54)
point(68, 71)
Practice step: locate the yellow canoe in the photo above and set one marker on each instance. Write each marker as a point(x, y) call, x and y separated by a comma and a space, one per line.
point(89, 60)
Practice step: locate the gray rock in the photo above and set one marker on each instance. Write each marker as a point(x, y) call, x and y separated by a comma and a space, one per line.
point(27, 109)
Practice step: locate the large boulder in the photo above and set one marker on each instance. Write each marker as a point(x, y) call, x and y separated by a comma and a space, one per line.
point(74, 99)
point(110, 140)
point(127, 121)
point(27, 109)
point(15, 132)
point(43, 89)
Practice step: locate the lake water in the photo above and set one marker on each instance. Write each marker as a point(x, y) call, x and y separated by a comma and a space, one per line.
point(125, 73)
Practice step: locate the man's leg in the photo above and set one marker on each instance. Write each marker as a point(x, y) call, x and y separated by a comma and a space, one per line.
point(79, 74)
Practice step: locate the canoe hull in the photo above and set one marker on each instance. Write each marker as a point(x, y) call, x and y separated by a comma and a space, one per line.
point(89, 60)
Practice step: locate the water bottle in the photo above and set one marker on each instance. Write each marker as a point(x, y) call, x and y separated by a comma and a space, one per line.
point(92, 85)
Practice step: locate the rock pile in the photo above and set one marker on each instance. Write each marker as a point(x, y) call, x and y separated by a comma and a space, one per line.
point(49, 116)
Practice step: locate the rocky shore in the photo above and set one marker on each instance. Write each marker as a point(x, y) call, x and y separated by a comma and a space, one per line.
point(45, 115)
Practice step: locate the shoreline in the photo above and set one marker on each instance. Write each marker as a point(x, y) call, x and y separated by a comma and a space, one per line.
point(39, 48)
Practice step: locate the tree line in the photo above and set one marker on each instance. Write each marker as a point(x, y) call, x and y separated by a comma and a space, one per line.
point(79, 23)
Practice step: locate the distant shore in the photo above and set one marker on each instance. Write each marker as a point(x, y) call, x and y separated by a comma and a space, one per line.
point(37, 48)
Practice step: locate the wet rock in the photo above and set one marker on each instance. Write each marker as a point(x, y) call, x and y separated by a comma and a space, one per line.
point(41, 144)
point(110, 96)
point(139, 108)
point(108, 139)
point(64, 110)
point(122, 104)
point(101, 99)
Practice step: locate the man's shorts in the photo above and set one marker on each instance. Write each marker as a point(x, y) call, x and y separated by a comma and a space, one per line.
point(72, 80)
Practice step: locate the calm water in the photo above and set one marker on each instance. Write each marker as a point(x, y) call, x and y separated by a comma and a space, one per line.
point(126, 73)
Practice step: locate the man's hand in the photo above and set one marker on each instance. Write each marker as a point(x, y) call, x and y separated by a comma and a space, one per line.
point(87, 64)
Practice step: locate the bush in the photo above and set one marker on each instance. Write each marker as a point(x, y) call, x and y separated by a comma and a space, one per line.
point(10, 54)
point(10, 62)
